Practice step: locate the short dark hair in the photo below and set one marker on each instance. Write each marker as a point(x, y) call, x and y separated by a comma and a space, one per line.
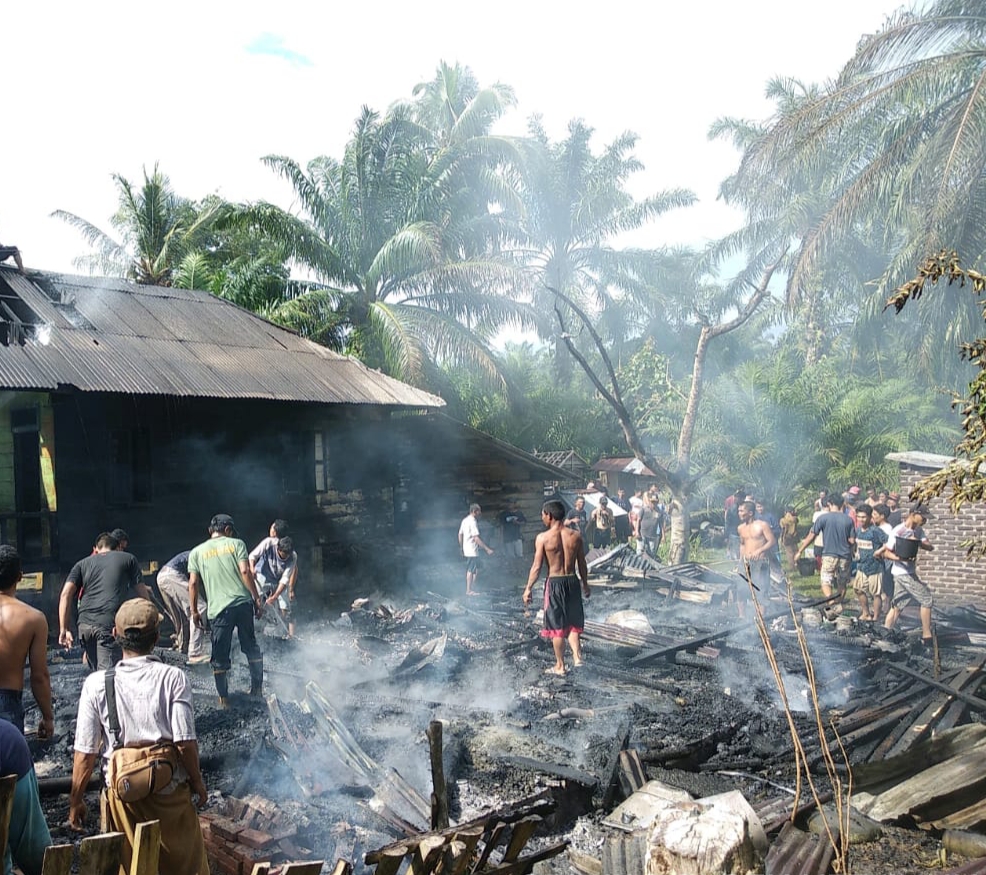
point(864, 509)
point(107, 539)
point(749, 505)
point(837, 499)
point(10, 566)
point(554, 508)
point(882, 509)
point(280, 527)
point(139, 644)
point(285, 544)
point(120, 535)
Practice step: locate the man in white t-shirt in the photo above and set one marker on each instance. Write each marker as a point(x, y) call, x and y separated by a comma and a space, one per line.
point(469, 544)
point(907, 585)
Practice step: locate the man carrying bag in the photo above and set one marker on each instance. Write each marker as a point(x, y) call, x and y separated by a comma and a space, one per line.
point(140, 718)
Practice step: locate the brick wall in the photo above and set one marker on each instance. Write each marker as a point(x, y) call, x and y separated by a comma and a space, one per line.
point(954, 578)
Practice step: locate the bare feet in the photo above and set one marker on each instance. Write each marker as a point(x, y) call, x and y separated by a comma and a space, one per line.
point(557, 672)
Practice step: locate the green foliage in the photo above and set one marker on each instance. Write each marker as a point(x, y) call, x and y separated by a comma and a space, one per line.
point(965, 478)
point(399, 234)
point(157, 229)
point(787, 429)
point(534, 414)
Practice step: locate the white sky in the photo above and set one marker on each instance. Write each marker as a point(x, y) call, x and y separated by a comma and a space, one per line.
point(207, 88)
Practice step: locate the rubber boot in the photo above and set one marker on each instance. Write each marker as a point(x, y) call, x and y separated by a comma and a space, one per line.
point(256, 677)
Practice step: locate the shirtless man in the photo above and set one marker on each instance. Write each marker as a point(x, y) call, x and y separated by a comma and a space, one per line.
point(23, 636)
point(564, 551)
point(757, 542)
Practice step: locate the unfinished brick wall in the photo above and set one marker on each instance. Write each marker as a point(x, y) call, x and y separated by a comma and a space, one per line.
point(954, 578)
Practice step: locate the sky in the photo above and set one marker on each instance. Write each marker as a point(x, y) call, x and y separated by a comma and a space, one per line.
point(206, 89)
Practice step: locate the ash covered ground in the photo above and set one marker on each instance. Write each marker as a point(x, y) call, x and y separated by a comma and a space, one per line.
point(380, 668)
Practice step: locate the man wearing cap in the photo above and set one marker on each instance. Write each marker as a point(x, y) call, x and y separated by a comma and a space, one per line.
point(100, 583)
point(153, 704)
point(221, 566)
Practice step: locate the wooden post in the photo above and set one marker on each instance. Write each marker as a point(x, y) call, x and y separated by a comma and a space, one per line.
point(57, 860)
point(439, 793)
point(100, 855)
point(147, 848)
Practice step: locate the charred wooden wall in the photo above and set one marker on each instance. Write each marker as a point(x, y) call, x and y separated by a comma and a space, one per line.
point(160, 467)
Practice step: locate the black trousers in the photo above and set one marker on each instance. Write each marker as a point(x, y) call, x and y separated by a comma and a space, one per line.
point(237, 616)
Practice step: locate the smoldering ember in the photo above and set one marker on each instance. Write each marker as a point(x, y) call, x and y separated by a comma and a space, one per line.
point(408, 727)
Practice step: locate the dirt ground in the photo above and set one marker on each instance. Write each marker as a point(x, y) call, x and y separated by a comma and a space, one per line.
point(490, 690)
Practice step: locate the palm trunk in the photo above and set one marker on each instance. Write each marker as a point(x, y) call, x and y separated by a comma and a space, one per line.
point(680, 517)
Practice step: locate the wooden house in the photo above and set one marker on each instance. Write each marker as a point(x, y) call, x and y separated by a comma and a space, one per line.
point(151, 409)
point(624, 472)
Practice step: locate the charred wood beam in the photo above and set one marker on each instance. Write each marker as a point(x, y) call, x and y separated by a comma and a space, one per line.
point(888, 745)
point(974, 701)
point(633, 776)
point(526, 864)
point(632, 678)
point(652, 656)
point(611, 772)
point(691, 754)
point(542, 805)
point(566, 773)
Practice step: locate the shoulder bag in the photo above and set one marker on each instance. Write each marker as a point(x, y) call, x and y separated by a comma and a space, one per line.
point(137, 771)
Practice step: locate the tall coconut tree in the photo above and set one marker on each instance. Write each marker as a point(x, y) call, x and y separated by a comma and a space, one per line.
point(901, 136)
point(156, 228)
point(398, 235)
point(576, 204)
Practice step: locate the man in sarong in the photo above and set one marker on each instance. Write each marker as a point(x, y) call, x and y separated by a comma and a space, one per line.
point(564, 551)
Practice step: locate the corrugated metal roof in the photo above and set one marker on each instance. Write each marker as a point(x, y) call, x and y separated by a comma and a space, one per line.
point(150, 340)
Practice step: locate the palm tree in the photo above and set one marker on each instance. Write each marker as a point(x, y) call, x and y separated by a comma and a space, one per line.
point(575, 206)
point(399, 236)
point(900, 138)
point(156, 228)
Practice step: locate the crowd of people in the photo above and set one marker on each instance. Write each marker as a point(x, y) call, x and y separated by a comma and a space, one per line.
point(135, 711)
point(868, 542)
point(642, 521)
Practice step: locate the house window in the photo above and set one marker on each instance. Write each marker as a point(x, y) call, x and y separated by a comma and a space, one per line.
point(129, 473)
point(321, 462)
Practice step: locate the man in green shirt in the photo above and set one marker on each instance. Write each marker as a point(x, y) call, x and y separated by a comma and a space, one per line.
point(221, 565)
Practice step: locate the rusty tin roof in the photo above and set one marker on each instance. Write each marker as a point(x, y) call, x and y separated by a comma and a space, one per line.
point(111, 335)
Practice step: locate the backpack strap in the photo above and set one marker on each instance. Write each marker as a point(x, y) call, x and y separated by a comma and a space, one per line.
point(111, 706)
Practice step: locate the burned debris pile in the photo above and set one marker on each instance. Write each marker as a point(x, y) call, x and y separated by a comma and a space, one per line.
point(668, 751)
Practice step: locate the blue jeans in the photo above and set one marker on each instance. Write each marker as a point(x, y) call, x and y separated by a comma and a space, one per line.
point(238, 616)
point(12, 707)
